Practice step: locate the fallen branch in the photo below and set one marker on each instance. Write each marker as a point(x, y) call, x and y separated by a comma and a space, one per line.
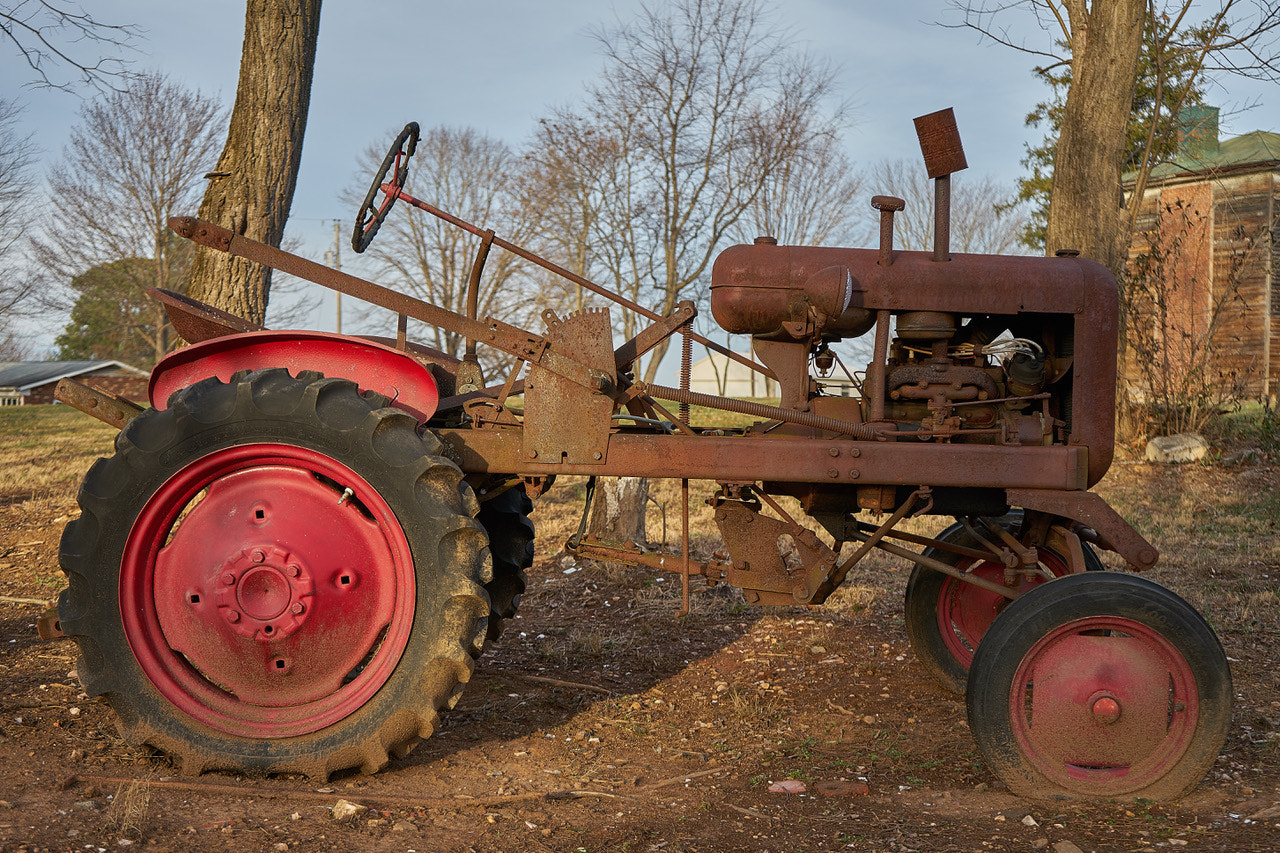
point(554, 682)
point(10, 599)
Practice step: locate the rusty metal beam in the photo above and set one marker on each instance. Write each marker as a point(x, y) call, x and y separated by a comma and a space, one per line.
point(108, 408)
point(794, 460)
point(499, 335)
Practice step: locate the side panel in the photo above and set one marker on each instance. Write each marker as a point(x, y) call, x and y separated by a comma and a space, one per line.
point(371, 366)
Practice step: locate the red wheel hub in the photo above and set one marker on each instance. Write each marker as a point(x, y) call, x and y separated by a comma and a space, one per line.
point(965, 611)
point(267, 590)
point(264, 593)
point(1104, 706)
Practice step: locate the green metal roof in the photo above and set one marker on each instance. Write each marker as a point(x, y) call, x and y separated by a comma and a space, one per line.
point(1257, 148)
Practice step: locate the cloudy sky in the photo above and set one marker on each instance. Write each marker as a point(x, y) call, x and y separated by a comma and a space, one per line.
point(497, 66)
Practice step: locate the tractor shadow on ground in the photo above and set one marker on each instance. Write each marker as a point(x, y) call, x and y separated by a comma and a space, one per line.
point(599, 637)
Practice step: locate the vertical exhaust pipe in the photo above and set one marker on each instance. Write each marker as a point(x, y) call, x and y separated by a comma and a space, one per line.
point(943, 155)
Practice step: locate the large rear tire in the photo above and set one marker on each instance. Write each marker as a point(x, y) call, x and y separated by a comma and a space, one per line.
point(276, 574)
point(1100, 684)
point(505, 517)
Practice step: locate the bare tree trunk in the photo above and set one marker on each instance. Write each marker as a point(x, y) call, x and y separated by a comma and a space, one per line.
point(1086, 204)
point(617, 514)
point(252, 189)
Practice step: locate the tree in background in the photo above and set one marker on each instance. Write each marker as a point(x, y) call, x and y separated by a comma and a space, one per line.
point(983, 218)
point(135, 159)
point(1121, 71)
point(17, 183)
point(251, 190)
point(112, 316)
point(471, 176)
point(813, 198)
point(60, 41)
point(699, 103)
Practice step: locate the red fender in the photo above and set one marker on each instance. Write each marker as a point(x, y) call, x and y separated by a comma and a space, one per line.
point(373, 367)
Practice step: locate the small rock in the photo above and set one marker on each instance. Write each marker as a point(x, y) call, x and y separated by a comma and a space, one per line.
point(1184, 447)
point(788, 786)
point(280, 847)
point(1029, 821)
point(85, 805)
point(404, 826)
point(980, 787)
point(1001, 818)
point(842, 788)
point(1178, 842)
point(1066, 847)
point(818, 650)
point(345, 810)
point(1039, 844)
point(1266, 814)
point(869, 720)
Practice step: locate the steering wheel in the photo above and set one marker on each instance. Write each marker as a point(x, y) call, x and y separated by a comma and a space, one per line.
point(370, 218)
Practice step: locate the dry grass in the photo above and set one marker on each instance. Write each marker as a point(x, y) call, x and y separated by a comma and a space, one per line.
point(46, 451)
point(126, 817)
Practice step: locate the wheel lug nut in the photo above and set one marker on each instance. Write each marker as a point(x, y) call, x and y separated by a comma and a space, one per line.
point(259, 557)
point(233, 616)
point(298, 607)
point(294, 571)
point(229, 579)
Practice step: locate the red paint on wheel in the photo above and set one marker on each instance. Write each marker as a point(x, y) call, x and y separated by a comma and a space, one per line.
point(237, 597)
point(1103, 703)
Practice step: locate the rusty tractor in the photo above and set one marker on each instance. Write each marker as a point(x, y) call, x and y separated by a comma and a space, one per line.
point(296, 555)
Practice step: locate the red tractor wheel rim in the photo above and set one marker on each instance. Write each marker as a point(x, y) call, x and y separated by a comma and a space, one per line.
point(1104, 706)
point(267, 591)
point(965, 611)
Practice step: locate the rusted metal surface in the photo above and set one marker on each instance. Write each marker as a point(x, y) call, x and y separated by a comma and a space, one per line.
point(791, 460)
point(1112, 531)
point(565, 421)
point(197, 321)
point(108, 408)
point(523, 345)
point(990, 388)
point(49, 626)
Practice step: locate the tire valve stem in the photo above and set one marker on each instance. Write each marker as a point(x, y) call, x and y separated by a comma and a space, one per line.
point(346, 493)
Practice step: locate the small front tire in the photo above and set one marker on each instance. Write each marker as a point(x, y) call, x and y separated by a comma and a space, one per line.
point(1100, 685)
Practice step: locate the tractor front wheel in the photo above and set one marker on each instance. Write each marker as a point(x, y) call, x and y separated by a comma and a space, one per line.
point(276, 574)
point(946, 618)
point(1100, 685)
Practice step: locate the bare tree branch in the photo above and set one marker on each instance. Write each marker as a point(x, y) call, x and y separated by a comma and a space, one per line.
point(65, 46)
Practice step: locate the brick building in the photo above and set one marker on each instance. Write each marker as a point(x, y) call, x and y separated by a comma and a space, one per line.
point(1211, 218)
point(27, 383)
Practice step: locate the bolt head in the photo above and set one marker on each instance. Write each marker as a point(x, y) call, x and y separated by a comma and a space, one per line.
point(1106, 710)
point(233, 617)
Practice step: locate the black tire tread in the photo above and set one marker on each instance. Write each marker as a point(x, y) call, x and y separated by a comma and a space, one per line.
point(306, 410)
point(1084, 595)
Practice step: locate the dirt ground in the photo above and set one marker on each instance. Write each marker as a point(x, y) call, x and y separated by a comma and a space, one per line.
point(604, 721)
